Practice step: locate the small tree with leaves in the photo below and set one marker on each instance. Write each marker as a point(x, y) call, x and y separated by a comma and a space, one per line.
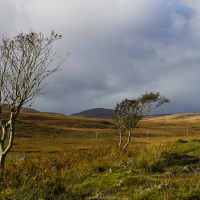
point(129, 112)
point(25, 62)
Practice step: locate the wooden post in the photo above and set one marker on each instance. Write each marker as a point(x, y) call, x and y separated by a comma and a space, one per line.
point(0, 103)
point(96, 134)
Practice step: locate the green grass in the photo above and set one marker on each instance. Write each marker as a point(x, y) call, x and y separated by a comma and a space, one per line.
point(78, 158)
point(85, 174)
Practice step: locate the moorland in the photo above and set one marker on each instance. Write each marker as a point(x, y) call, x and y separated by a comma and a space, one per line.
point(67, 157)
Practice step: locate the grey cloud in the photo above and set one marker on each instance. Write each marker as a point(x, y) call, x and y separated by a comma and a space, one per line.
point(119, 49)
point(13, 18)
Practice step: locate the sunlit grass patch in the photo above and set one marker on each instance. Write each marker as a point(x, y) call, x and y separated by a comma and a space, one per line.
point(67, 158)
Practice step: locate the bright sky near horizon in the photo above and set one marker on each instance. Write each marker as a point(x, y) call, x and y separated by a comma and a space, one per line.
point(119, 49)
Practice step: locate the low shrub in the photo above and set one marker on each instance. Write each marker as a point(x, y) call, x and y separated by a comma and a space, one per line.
point(132, 174)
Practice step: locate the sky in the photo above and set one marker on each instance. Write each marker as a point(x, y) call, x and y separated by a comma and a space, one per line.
point(118, 49)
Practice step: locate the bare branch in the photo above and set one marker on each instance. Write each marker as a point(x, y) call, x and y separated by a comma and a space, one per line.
point(25, 62)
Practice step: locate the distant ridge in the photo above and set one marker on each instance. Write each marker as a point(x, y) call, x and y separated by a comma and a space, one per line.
point(101, 113)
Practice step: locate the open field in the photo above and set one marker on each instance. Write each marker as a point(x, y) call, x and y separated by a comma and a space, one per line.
point(47, 132)
point(78, 158)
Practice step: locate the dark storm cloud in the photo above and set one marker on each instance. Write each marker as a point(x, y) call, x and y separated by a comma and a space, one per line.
point(119, 49)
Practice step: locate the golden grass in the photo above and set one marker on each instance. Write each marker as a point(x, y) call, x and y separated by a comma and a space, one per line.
point(38, 132)
point(83, 165)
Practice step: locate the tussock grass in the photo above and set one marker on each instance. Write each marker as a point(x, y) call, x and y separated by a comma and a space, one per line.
point(78, 158)
point(132, 174)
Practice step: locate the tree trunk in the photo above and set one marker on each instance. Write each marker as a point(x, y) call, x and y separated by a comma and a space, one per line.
point(2, 158)
point(7, 134)
point(128, 141)
point(2, 161)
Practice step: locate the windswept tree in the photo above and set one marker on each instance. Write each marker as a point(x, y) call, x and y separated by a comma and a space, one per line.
point(129, 112)
point(25, 62)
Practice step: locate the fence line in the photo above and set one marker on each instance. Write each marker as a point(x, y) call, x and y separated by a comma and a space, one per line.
point(17, 157)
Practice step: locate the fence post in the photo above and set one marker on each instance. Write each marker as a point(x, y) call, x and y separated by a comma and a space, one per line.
point(96, 134)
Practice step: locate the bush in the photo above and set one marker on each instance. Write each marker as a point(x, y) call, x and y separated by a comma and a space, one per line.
point(81, 175)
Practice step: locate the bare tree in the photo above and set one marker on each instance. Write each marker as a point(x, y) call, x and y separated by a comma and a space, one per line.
point(121, 118)
point(129, 112)
point(25, 62)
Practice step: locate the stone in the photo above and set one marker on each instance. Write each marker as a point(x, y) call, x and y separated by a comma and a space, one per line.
point(163, 186)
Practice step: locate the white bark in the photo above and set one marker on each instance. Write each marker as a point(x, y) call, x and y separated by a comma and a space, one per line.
point(24, 62)
point(128, 140)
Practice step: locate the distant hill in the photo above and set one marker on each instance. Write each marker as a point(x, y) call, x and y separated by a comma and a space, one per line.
point(101, 113)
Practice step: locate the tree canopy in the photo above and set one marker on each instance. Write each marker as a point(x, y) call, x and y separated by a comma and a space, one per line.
point(130, 111)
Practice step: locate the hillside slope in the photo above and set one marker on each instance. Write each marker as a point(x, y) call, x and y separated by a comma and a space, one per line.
point(31, 123)
point(97, 113)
